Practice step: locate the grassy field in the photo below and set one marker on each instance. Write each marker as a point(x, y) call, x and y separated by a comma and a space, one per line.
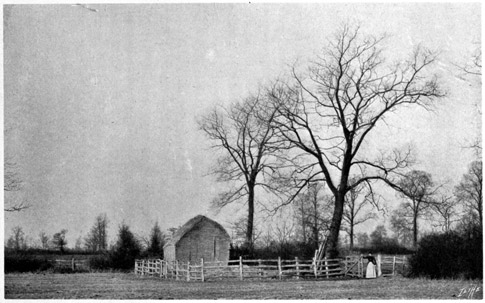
point(129, 286)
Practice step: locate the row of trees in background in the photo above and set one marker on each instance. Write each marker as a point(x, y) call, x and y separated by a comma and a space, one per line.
point(95, 242)
point(307, 222)
point(120, 255)
point(424, 199)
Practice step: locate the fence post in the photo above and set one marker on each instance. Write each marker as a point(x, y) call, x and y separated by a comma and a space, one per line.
point(240, 268)
point(379, 262)
point(394, 266)
point(188, 270)
point(361, 265)
point(315, 267)
point(177, 270)
point(136, 267)
point(73, 265)
point(326, 268)
point(403, 264)
point(280, 270)
point(297, 268)
point(202, 269)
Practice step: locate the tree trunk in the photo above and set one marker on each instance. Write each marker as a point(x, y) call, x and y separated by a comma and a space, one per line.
point(315, 236)
point(303, 224)
point(332, 248)
point(415, 232)
point(249, 228)
point(480, 214)
point(351, 245)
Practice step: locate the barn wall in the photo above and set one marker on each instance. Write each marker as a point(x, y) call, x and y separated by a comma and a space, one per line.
point(205, 240)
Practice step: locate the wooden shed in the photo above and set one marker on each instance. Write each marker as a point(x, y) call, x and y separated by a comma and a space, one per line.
point(199, 238)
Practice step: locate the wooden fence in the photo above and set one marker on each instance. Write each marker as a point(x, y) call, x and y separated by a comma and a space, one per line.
point(72, 264)
point(240, 269)
point(392, 265)
point(355, 266)
point(266, 269)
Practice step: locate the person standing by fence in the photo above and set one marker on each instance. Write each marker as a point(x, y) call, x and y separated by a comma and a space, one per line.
point(371, 267)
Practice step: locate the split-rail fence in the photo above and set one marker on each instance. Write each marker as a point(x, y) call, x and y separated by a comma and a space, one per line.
point(72, 264)
point(266, 269)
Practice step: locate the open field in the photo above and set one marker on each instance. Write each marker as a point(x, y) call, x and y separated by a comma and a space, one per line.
point(129, 286)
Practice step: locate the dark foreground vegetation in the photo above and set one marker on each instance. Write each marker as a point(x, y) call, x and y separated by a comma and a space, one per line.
point(455, 254)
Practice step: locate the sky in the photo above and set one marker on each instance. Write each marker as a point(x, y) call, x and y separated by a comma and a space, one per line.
point(100, 107)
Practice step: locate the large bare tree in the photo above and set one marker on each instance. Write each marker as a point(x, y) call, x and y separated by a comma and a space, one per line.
point(328, 113)
point(243, 133)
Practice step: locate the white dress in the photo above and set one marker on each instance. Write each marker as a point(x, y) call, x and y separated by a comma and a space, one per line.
point(371, 271)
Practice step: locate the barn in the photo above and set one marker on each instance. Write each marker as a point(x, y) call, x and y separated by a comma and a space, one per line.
point(199, 238)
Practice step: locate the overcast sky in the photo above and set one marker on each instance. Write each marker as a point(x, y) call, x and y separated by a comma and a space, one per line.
point(100, 106)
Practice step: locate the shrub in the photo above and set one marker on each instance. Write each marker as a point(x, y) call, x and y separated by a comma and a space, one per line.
point(26, 263)
point(126, 250)
point(449, 255)
point(100, 262)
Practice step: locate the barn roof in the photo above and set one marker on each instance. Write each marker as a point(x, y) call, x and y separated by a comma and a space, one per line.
point(180, 233)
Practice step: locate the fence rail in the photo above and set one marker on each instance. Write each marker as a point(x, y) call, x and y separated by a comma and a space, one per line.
point(73, 264)
point(355, 266)
point(265, 269)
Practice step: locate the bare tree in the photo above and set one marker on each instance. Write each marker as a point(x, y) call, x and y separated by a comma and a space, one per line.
point(59, 240)
point(284, 232)
point(97, 239)
point(312, 212)
point(12, 183)
point(355, 212)
point(445, 208)
point(472, 70)
point(44, 240)
point(239, 229)
point(78, 244)
point(469, 191)
point(328, 115)
point(244, 134)
point(362, 239)
point(474, 65)
point(418, 189)
point(401, 225)
point(17, 239)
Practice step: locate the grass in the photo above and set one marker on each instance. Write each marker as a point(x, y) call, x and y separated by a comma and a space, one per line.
point(129, 286)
